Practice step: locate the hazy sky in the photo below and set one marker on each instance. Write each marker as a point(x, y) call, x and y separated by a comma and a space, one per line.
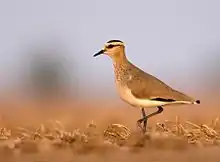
point(166, 38)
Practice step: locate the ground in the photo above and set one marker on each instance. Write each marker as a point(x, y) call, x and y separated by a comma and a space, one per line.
point(86, 132)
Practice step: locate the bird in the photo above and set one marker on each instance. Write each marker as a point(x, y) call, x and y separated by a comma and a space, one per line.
point(138, 88)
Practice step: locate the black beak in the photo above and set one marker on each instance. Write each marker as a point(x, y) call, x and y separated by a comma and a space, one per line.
point(99, 53)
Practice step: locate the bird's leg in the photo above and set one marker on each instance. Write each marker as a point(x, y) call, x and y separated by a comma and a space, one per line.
point(160, 110)
point(145, 118)
point(145, 121)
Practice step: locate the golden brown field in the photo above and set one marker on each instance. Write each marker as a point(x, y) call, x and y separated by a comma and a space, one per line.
point(106, 131)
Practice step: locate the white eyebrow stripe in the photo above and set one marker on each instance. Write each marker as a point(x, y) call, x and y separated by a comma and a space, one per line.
point(115, 44)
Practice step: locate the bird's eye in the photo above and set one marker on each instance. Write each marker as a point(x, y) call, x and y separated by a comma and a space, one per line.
point(110, 46)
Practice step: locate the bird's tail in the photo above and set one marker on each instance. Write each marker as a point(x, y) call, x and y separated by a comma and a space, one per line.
point(179, 96)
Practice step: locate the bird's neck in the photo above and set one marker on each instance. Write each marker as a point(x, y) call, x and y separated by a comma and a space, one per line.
point(120, 59)
point(120, 63)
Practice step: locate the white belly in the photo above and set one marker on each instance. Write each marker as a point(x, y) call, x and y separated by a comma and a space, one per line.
point(126, 95)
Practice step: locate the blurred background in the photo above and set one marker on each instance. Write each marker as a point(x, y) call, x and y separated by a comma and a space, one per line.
point(46, 61)
point(46, 46)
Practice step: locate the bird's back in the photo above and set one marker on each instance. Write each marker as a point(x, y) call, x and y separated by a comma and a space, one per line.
point(145, 86)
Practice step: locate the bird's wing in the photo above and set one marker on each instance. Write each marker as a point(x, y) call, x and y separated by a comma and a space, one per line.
point(149, 87)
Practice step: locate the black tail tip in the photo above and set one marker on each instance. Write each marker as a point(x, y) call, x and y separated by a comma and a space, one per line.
point(198, 101)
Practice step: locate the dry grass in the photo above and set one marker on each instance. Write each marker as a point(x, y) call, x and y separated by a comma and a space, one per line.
point(66, 135)
point(53, 134)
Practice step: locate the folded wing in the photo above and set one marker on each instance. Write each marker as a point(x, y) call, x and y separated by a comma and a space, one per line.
point(149, 87)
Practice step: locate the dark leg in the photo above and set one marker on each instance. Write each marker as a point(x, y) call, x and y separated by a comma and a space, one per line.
point(145, 121)
point(145, 118)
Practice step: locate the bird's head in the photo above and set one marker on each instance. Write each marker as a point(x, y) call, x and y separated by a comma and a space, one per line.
point(112, 48)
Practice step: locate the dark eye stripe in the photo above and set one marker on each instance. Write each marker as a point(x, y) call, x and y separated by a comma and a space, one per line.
point(110, 46)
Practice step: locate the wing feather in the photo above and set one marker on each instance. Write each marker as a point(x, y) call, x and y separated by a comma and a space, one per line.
point(149, 87)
